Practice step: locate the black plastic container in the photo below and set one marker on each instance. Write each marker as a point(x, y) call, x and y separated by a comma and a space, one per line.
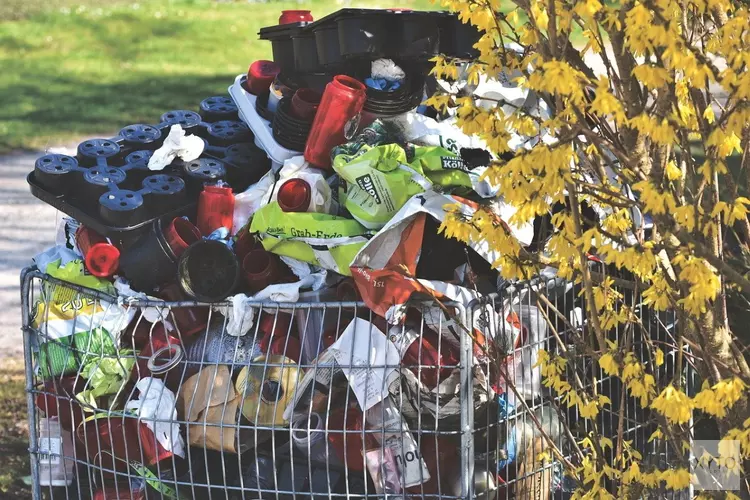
point(420, 33)
point(149, 262)
point(327, 44)
point(318, 81)
point(364, 32)
point(290, 132)
point(208, 271)
point(109, 188)
point(457, 39)
point(282, 46)
point(305, 52)
point(218, 108)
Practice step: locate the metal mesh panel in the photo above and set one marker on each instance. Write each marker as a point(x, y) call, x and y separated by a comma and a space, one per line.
point(189, 411)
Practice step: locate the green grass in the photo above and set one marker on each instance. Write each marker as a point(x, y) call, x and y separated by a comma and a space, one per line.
point(14, 444)
point(70, 71)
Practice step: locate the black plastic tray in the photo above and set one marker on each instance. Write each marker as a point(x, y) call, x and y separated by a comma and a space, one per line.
point(108, 187)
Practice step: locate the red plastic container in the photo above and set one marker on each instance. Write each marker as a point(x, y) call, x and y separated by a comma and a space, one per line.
point(290, 349)
point(180, 234)
point(120, 492)
point(260, 76)
point(61, 401)
point(261, 269)
point(424, 359)
point(342, 100)
point(189, 321)
point(245, 243)
point(295, 16)
point(351, 440)
point(124, 438)
point(305, 104)
point(215, 209)
point(294, 196)
point(101, 257)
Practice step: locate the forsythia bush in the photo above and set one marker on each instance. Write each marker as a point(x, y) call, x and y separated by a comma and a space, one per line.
point(648, 106)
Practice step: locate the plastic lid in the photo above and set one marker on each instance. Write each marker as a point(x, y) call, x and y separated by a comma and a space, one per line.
point(102, 260)
point(294, 196)
point(180, 234)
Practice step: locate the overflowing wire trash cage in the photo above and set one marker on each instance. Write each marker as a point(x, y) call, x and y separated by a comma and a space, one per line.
point(318, 400)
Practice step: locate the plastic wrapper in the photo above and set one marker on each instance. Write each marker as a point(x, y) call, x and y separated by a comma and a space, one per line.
point(327, 241)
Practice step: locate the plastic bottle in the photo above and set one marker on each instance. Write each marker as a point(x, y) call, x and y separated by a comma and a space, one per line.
point(215, 209)
point(294, 196)
point(54, 444)
point(342, 100)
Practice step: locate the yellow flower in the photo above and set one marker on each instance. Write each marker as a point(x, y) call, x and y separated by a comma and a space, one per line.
point(659, 357)
point(676, 479)
point(673, 171)
point(708, 114)
point(633, 474)
point(609, 365)
point(674, 405)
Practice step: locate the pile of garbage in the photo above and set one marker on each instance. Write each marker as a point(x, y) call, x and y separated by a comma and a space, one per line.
point(321, 178)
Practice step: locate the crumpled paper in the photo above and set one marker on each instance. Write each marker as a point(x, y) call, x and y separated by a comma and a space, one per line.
point(177, 144)
point(156, 402)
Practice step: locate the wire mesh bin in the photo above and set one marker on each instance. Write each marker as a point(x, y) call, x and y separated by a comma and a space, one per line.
point(139, 399)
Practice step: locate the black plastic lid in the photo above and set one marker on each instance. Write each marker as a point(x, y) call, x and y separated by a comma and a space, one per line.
point(281, 31)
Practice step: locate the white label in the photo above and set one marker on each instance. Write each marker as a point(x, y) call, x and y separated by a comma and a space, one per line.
point(407, 455)
point(50, 450)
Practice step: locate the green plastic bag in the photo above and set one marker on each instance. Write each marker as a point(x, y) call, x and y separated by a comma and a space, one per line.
point(378, 183)
point(444, 168)
point(324, 240)
point(67, 354)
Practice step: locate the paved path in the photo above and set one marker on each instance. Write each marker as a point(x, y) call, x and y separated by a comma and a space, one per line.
point(27, 227)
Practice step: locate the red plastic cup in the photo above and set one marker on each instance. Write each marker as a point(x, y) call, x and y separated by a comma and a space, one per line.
point(351, 439)
point(295, 16)
point(245, 243)
point(305, 104)
point(261, 269)
point(180, 234)
point(188, 320)
point(289, 348)
point(342, 100)
point(215, 209)
point(294, 196)
point(260, 76)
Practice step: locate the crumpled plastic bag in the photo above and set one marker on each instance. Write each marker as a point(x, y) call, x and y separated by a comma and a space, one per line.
point(67, 354)
point(378, 183)
point(443, 168)
point(177, 144)
point(241, 317)
point(156, 402)
point(106, 375)
point(323, 240)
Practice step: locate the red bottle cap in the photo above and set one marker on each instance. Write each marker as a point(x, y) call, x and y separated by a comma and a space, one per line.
point(180, 234)
point(294, 196)
point(260, 76)
point(102, 260)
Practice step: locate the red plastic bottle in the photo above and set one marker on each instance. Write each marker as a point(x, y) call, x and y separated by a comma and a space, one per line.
point(215, 209)
point(342, 100)
point(294, 196)
point(101, 257)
